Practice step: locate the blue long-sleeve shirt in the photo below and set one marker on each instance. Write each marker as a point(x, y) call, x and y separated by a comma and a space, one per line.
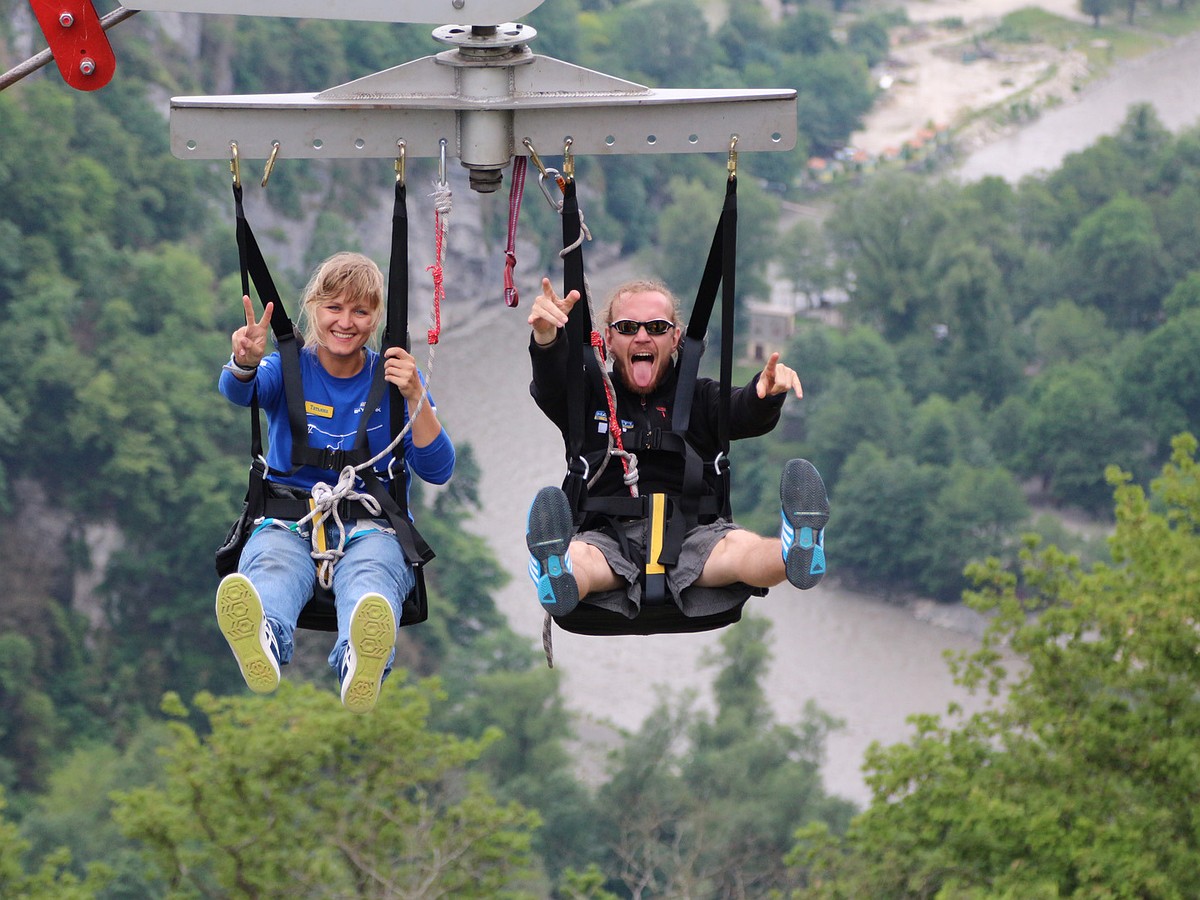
point(333, 408)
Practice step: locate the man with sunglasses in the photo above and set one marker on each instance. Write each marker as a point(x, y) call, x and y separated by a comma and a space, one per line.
point(719, 562)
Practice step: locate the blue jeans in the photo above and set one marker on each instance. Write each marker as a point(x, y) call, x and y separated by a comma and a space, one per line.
point(278, 561)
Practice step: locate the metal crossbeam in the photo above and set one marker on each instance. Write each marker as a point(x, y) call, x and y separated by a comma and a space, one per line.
point(483, 111)
point(432, 12)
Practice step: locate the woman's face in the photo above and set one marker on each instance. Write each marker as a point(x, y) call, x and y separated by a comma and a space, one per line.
point(343, 326)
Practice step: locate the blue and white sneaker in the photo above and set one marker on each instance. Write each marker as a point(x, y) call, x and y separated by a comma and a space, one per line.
point(548, 537)
point(372, 640)
point(242, 620)
point(805, 510)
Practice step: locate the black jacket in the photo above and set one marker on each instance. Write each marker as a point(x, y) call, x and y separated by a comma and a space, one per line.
point(641, 417)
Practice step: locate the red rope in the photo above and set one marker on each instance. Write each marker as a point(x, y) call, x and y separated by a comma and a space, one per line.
point(614, 424)
point(516, 189)
point(439, 290)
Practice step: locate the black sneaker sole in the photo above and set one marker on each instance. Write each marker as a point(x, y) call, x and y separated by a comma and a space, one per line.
point(548, 537)
point(805, 506)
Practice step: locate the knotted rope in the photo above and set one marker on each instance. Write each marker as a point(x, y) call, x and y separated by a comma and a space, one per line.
point(516, 189)
point(616, 446)
point(441, 215)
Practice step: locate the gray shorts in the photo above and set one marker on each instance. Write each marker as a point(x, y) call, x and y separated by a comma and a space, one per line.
point(691, 599)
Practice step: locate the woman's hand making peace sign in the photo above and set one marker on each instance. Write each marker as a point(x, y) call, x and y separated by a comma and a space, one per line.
point(250, 341)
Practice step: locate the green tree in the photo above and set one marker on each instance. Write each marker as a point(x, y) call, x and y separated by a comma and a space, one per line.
point(871, 488)
point(886, 233)
point(979, 357)
point(1097, 9)
point(685, 235)
point(1175, 220)
point(814, 353)
point(663, 43)
point(29, 723)
point(491, 686)
point(1184, 296)
point(52, 880)
point(941, 432)
point(371, 806)
point(974, 514)
point(1091, 178)
point(746, 34)
point(1160, 384)
point(865, 354)
point(1074, 430)
point(833, 94)
point(1118, 262)
point(852, 412)
point(806, 261)
point(807, 32)
point(702, 806)
point(75, 811)
point(1067, 332)
point(1079, 781)
point(869, 37)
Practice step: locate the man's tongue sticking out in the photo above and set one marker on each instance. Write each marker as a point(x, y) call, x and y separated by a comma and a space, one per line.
point(641, 370)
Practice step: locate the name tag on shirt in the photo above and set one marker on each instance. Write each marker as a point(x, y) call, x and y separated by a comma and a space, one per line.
point(318, 409)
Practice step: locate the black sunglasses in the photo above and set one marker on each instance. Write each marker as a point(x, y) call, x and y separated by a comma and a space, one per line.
point(630, 327)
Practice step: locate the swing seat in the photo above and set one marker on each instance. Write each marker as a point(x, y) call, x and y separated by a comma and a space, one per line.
point(320, 613)
point(664, 618)
point(658, 612)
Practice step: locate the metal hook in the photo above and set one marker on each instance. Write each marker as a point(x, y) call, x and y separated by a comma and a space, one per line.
point(543, 174)
point(555, 205)
point(442, 161)
point(533, 155)
point(568, 160)
point(270, 162)
point(235, 165)
point(401, 154)
point(732, 164)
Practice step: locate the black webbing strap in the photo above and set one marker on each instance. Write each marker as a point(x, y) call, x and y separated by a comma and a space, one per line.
point(578, 334)
point(719, 268)
point(255, 266)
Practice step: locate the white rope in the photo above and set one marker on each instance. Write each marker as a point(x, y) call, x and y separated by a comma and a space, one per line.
point(548, 640)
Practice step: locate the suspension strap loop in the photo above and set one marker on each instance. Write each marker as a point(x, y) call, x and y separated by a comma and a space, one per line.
point(516, 189)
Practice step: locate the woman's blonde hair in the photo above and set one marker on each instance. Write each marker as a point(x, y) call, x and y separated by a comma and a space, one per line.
point(347, 276)
point(640, 286)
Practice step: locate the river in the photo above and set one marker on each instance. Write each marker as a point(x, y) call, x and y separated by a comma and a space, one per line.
point(1166, 79)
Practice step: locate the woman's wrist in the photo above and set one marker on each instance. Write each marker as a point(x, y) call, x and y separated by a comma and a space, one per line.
point(238, 369)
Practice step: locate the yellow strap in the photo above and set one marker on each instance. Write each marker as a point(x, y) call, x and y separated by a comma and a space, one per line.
point(657, 528)
point(322, 544)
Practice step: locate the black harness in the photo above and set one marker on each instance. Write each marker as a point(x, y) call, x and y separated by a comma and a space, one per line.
point(669, 518)
point(264, 498)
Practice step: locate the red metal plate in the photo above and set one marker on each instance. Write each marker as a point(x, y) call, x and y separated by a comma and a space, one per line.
point(80, 47)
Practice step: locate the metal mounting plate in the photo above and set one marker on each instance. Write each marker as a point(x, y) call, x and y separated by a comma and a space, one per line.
point(425, 101)
point(428, 12)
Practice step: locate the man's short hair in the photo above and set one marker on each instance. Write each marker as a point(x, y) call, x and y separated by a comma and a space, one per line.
point(638, 286)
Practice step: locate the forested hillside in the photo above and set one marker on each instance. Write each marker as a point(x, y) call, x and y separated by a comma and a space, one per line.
point(999, 346)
